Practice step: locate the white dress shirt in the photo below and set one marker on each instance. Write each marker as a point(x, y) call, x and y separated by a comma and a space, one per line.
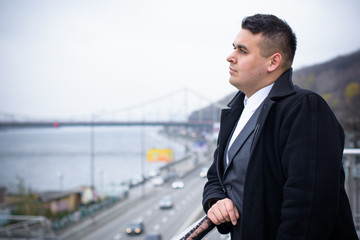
point(250, 106)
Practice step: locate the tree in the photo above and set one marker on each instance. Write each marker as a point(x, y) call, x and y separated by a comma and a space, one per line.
point(27, 202)
point(351, 120)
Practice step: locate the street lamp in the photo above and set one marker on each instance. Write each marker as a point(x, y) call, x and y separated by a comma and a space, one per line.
point(142, 158)
point(61, 178)
point(101, 183)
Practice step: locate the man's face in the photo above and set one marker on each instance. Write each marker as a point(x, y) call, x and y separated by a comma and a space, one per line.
point(247, 67)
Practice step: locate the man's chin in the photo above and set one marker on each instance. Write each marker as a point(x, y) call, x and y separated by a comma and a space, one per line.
point(232, 82)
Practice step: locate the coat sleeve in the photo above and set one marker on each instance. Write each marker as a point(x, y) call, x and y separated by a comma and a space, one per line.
point(311, 145)
point(213, 191)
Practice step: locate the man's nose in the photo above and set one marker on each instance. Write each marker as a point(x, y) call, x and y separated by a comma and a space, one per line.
point(231, 58)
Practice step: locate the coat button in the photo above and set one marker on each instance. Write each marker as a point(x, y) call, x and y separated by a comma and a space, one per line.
point(228, 187)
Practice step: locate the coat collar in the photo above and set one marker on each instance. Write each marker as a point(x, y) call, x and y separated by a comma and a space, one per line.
point(283, 87)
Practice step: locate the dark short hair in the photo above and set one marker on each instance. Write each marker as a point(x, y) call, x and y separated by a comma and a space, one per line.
point(278, 36)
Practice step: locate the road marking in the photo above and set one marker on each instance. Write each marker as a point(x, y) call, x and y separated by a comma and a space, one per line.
point(117, 236)
point(164, 219)
point(149, 213)
point(172, 213)
point(178, 207)
point(156, 227)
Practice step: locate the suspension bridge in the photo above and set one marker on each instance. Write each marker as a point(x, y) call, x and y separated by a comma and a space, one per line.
point(180, 108)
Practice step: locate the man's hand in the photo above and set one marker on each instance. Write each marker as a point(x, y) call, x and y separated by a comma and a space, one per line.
point(223, 211)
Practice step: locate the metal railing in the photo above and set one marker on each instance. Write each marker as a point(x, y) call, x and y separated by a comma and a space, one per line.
point(27, 227)
point(351, 160)
point(352, 181)
point(197, 230)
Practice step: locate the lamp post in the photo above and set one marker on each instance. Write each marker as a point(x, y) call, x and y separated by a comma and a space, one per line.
point(61, 178)
point(142, 158)
point(92, 156)
point(101, 183)
point(92, 151)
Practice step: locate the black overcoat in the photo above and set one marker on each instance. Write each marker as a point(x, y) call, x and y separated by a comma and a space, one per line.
point(294, 184)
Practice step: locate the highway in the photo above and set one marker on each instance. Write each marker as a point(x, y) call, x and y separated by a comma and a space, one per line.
point(143, 204)
point(167, 222)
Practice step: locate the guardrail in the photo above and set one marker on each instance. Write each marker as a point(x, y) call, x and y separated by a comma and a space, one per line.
point(27, 227)
point(351, 160)
point(82, 213)
point(352, 181)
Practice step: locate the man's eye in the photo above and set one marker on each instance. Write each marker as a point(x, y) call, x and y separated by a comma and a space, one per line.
point(242, 50)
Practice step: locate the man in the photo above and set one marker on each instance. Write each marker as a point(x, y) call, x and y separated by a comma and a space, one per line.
point(277, 171)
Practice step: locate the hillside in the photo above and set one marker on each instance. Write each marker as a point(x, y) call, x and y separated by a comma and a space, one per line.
point(331, 78)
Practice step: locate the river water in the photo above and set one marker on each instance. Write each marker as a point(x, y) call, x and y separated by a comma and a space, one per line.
point(60, 158)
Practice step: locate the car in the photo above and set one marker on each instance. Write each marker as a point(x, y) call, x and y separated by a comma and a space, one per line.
point(203, 172)
point(153, 236)
point(153, 173)
point(170, 176)
point(135, 228)
point(165, 202)
point(177, 184)
point(158, 181)
point(136, 180)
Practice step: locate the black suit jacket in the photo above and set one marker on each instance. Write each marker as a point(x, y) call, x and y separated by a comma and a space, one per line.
point(294, 183)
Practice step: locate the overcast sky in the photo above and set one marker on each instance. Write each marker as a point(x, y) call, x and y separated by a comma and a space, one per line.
point(68, 58)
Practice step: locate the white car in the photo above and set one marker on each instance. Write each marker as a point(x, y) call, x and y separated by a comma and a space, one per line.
point(158, 181)
point(178, 184)
point(165, 202)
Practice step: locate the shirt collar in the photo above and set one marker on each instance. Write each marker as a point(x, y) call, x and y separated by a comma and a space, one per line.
point(253, 102)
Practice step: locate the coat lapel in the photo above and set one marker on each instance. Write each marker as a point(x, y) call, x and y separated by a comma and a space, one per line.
point(239, 142)
point(243, 135)
point(282, 88)
point(229, 117)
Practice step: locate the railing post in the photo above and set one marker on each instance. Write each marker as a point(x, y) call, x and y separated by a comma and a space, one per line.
point(352, 176)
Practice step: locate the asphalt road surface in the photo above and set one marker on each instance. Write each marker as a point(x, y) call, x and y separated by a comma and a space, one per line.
point(143, 204)
point(165, 221)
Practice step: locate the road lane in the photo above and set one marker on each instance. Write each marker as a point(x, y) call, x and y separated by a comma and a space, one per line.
point(167, 222)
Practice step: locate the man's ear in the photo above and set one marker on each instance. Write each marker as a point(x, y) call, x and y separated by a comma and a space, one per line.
point(274, 62)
